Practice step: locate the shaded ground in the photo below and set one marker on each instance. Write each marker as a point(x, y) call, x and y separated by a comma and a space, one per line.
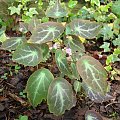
point(13, 101)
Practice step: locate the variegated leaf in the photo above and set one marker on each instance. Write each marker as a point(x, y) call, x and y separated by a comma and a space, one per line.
point(93, 73)
point(46, 32)
point(85, 28)
point(61, 61)
point(33, 24)
point(23, 27)
point(92, 115)
point(45, 49)
point(37, 86)
point(74, 71)
point(60, 96)
point(96, 96)
point(12, 43)
point(76, 47)
point(56, 11)
point(28, 54)
point(77, 86)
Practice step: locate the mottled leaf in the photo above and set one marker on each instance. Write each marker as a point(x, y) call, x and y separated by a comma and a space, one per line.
point(61, 61)
point(12, 43)
point(56, 11)
point(46, 32)
point(93, 73)
point(60, 96)
point(37, 86)
point(92, 115)
point(96, 96)
point(85, 28)
point(27, 54)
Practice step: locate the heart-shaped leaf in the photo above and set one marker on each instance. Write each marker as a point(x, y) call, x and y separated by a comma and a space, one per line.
point(92, 115)
point(96, 96)
point(46, 32)
point(60, 96)
point(61, 61)
point(93, 73)
point(12, 43)
point(85, 28)
point(37, 86)
point(33, 24)
point(28, 54)
point(57, 10)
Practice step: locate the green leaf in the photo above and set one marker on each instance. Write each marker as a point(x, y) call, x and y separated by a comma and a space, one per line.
point(93, 73)
point(76, 46)
point(92, 115)
point(27, 54)
point(61, 61)
point(45, 51)
point(116, 8)
point(23, 27)
point(116, 26)
point(33, 24)
point(12, 43)
point(77, 86)
point(112, 58)
point(14, 10)
point(96, 2)
point(74, 71)
point(97, 96)
point(68, 30)
point(60, 96)
point(37, 86)
point(72, 3)
point(24, 117)
point(2, 35)
point(116, 41)
point(105, 46)
point(46, 32)
point(107, 32)
point(85, 28)
point(56, 11)
point(31, 12)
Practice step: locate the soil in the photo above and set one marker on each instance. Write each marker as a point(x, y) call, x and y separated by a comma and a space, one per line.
point(13, 82)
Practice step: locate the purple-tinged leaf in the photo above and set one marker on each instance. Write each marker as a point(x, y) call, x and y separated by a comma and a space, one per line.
point(46, 32)
point(60, 96)
point(85, 28)
point(93, 73)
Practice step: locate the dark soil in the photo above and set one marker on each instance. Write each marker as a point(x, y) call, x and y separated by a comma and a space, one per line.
point(13, 81)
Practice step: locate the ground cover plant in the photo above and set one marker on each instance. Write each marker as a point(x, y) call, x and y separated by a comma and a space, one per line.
point(54, 31)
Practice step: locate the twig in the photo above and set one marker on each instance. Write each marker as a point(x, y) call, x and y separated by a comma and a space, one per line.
point(15, 97)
